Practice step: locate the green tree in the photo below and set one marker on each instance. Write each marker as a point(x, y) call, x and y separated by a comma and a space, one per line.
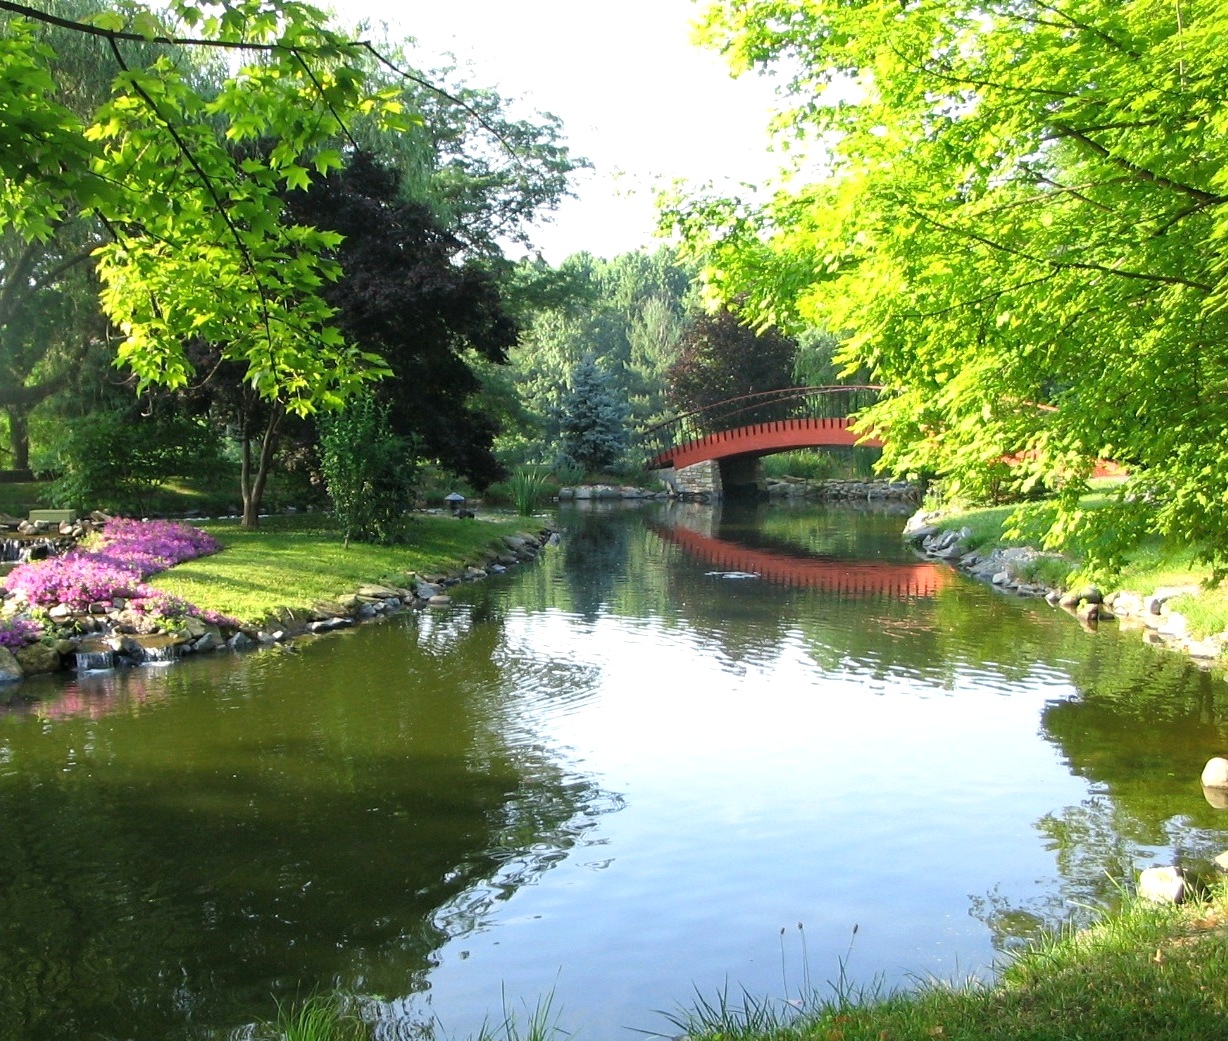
point(197, 246)
point(593, 419)
point(1022, 231)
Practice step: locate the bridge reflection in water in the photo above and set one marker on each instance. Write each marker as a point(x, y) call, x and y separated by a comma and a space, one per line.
point(842, 577)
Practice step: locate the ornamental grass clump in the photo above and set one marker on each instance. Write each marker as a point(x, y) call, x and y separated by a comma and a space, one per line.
point(113, 564)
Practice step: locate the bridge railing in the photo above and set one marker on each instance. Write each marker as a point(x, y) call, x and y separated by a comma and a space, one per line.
point(769, 406)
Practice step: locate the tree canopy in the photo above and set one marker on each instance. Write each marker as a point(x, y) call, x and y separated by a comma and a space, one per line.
point(1018, 220)
point(198, 246)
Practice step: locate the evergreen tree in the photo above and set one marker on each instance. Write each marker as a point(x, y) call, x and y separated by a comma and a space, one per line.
point(593, 419)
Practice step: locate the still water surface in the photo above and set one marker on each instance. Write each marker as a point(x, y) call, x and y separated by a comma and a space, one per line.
point(618, 776)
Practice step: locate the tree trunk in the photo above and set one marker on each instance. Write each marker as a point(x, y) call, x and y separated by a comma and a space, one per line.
point(252, 481)
point(19, 438)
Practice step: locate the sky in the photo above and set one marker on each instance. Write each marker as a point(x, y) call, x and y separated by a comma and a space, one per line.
point(636, 98)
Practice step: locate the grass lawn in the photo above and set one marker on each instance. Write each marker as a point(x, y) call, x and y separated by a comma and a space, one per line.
point(294, 561)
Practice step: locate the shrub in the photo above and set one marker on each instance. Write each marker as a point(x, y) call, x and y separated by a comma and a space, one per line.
point(115, 461)
point(369, 471)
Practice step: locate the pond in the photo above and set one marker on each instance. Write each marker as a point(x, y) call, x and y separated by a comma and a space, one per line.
point(614, 779)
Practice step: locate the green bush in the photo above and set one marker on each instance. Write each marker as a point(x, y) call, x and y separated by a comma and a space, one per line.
point(369, 471)
point(117, 461)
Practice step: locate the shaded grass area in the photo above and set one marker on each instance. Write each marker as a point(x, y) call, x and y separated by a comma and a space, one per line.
point(1144, 973)
point(18, 498)
point(294, 561)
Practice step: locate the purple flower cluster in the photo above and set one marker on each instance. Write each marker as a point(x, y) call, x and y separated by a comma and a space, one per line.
point(113, 564)
point(18, 632)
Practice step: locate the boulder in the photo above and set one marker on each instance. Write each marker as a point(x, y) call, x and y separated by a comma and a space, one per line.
point(211, 641)
point(10, 668)
point(1215, 773)
point(378, 591)
point(37, 658)
point(1162, 885)
point(1217, 799)
point(1088, 612)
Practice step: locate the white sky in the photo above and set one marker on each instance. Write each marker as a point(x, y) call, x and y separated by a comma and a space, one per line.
point(636, 97)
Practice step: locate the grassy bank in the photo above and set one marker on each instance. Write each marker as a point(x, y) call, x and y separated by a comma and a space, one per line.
point(294, 561)
point(1145, 972)
point(1151, 565)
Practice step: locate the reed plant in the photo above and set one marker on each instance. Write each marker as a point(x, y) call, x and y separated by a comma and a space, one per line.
point(527, 485)
point(320, 1018)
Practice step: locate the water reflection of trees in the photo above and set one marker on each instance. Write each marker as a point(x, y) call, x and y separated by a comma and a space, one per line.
point(324, 818)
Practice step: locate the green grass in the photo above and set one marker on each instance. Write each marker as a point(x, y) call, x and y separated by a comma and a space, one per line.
point(296, 561)
point(1145, 973)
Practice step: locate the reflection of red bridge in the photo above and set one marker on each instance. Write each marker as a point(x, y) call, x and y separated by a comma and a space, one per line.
point(836, 576)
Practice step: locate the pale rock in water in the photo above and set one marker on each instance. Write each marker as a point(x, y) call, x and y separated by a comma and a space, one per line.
point(1162, 885)
point(1215, 773)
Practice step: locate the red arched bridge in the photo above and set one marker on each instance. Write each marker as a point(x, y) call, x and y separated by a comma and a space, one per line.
point(759, 424)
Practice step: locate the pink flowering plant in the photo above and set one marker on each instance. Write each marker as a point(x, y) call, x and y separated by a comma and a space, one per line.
point(114, 564)
point(16, 633)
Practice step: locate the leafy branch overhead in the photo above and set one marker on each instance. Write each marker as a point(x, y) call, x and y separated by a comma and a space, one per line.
point(1019, 228)
point(187, 172)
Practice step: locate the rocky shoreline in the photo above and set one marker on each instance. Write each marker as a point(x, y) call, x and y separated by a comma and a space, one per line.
point(1010, 569)
point(110, 633)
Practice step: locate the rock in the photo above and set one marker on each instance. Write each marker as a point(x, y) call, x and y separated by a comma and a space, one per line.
point(59, 612)
point(240, 642)
point(1088, 612)
point(378, 591)
point(211, 641)
point(1217, 799)
point(1001, 578)
point(426, 590)
point(1221, 862)
point(1162, 885)
point(10, 668)
point(326, 609)
point(37, 658)
point(1215, 773)
point(1069, 599)
point(439, 600)
point(195, 627)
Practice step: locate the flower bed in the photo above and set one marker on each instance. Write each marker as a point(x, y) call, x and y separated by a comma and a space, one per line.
point(107, 565)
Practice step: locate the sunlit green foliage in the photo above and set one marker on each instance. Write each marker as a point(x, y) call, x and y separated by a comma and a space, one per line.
point(197, 247)
point(1020, 225)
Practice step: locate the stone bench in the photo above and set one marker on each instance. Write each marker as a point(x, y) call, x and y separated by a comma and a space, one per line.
point(53, 516)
